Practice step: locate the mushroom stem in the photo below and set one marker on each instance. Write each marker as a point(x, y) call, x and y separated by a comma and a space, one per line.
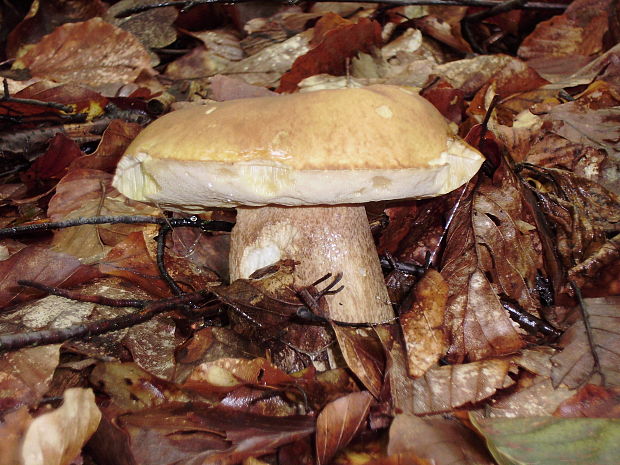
point(323, 239)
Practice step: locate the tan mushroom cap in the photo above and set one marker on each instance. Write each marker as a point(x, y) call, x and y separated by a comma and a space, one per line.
point(327, 147)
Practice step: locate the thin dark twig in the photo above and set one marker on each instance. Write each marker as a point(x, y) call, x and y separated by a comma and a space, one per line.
point(588, 328)
point(205, 225)
point(161, 247)
point(96, 299)
point(6, 97)
point(95, 328)
point(187, 4)
point(499, 8)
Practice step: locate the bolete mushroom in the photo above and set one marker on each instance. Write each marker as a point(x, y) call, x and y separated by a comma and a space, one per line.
point(299, 168)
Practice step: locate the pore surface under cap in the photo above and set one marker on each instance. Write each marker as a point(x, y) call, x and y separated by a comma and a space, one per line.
point(326, 147)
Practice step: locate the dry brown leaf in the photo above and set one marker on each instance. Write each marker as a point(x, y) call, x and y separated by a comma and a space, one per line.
point(492, 251)
point(444, 388)
point(335, 39)
point(114, 141)
point(130, 260)
point(26, 375)
point(422, 324)
point(153, 27)
point(533, 397)
point(41, 265)
point(225, 374)
point(564, 39)
point(438, 440)
point(92, 52)
point(360, 350)
point(574, 366)
point(84, 193)
point(592, 401)
point(43, 17)
point(57, 437)
point(339, 422)
point(267, 66)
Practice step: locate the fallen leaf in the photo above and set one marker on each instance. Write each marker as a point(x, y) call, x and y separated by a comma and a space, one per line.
point(53, 164)
point(360, 350)
point(57, 437)
point(84, 193)
point(564, 39)
point(339, 422)
point(153, 27)
point(342, 40)
point(591, 401)
point(27, 375)
point(43, 17)
point(549, 441)
point(445, 388)
point(422, 323)
point(130, 260)
point(267, 66)
point(574, 365)
point(43, 266)
point(440, 441)
point(114, 141)
point(92, 52)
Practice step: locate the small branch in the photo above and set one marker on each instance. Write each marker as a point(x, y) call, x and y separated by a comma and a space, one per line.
point(96, 299)
point(588, 328)
point(499, 8)
point(194, 221)
point(185, 5)
point(56, 106)
point(95, 328)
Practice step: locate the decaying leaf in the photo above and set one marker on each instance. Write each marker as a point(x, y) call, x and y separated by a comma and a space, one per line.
point(41, 265)
point(131, 260)
point(360, 350)
point(549, 441)
point(444, 388)
point(440, 441)
point(92, 52)
point(339, 422)
point(336, 40)
point(422, 324)
point(575, 365)
point(26, 375)
point(57, 437)
point(569, 39)
point(592, 401)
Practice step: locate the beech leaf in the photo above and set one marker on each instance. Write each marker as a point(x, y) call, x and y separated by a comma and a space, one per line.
point(575, 364)
point(57, 437)
point(339, 422)
point(422, 324)
point(440, 441)
point(92, 52)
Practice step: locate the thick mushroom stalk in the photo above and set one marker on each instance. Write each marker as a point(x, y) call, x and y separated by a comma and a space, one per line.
point(323, 239)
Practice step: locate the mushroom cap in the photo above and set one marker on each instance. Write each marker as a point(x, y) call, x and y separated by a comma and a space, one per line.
point(327, 147)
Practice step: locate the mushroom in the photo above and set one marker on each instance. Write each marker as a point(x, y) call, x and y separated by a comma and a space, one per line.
point(299, 169)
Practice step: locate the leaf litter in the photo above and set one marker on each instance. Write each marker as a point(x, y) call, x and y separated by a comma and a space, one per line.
point(533, 237)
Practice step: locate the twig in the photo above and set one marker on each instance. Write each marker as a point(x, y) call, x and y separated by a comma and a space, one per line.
point(96, 299)
point(194, 221)
point(187, 4)
point(588, 328)
point(6, 97)
point(499, 8)
point(95, 328)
